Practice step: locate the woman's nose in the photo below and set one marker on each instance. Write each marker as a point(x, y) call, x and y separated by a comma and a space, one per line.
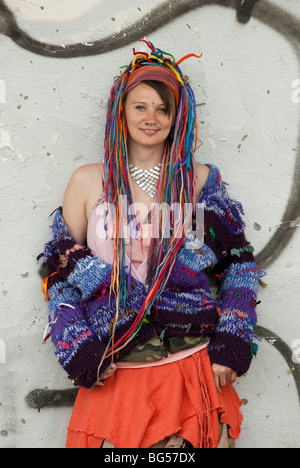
point(150, 115)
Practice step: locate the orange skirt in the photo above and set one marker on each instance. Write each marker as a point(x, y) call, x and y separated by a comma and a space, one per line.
point(136, 408)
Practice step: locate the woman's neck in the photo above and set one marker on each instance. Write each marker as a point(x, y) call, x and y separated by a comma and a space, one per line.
point(143, 157)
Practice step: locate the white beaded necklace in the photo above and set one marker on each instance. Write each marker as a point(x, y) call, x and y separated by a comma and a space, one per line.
point(145, 179)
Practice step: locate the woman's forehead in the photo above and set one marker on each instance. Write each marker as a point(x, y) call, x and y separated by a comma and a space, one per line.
point(143, 93)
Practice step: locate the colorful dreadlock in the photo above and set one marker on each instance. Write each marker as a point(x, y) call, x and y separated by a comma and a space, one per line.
point(176, 184)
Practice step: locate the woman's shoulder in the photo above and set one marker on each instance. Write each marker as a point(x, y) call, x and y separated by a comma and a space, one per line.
point(87, 180)
point(86, 173)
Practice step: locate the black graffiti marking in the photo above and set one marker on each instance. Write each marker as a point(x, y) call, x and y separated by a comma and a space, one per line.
point(159, 17)
point(289, 27)
point(284, 350)
point(244, 9)
point(40, 398)
point(269, 14)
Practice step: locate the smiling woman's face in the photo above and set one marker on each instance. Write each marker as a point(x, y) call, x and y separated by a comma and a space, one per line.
point(148, 121)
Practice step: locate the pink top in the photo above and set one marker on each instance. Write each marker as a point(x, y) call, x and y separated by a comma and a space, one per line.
point(102, 245)
point(100, 242)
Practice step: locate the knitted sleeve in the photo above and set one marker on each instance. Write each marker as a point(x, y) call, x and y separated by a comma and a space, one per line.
point(237, 272)
point(80, 309)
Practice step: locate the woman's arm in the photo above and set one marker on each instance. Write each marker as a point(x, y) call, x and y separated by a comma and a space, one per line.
point(222, 374)
point(83, 190)
point(81, 311)
point(74, 205)
point(232, 344)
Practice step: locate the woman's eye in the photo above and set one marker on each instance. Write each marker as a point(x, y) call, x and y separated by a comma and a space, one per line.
point(161, 110)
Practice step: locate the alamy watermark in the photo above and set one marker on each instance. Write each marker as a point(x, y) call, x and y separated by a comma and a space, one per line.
point(296, 353)
point(2, 352)
point(2, 92)
point(296, 93)
point(167, 220)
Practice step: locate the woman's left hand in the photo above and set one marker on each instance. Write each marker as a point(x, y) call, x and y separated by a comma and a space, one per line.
point(223, 375)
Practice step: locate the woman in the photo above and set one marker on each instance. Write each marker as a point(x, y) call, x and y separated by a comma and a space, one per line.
point(132, 316)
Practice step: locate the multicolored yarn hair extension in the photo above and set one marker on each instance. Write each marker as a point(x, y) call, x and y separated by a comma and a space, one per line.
point(176, 183)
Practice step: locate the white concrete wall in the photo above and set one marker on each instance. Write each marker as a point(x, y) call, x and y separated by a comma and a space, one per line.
point(52, 114)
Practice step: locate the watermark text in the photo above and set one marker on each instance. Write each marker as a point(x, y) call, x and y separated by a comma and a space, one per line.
point(165, 221)
point(296, 353)
point(2, 352)
point(296, 93)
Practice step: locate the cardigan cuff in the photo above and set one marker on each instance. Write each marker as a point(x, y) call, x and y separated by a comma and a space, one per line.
point(83, 367)
point(230, 351)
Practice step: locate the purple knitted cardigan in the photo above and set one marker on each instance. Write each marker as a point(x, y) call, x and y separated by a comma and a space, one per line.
point(81, 314)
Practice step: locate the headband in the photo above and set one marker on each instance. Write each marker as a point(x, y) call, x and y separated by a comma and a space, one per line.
point(154, 73)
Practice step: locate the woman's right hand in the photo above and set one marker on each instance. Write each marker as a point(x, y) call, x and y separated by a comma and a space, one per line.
point(223, 375)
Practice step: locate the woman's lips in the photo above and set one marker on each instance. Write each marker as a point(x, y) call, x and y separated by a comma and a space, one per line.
point(149, 132)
